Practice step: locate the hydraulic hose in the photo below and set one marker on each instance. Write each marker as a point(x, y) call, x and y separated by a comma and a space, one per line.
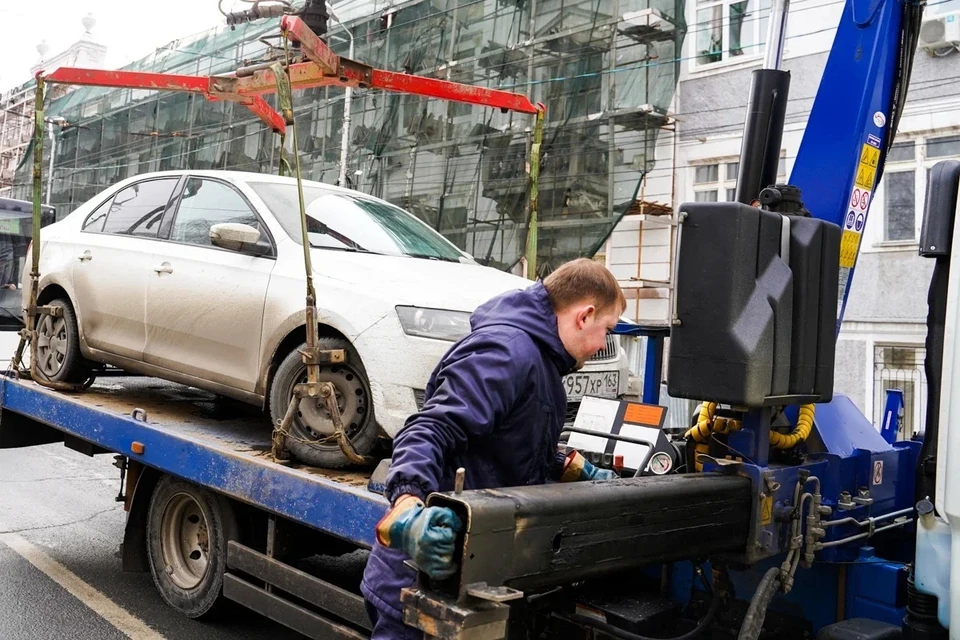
point(700, 432)
point(757, 611)
point(799, 434)
point(708, 424)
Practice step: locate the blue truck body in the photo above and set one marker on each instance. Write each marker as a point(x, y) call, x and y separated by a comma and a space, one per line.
point(221, 445)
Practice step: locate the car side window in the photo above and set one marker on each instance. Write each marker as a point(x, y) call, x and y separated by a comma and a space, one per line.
point(138, 209)
point(95, 220)
point(206, 203)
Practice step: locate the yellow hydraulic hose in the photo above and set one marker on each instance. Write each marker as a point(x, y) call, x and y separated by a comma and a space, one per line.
point(700, 432)
point(708, 423)
point(799, 434)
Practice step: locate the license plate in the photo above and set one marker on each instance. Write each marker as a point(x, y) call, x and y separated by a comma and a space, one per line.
point(603, 384)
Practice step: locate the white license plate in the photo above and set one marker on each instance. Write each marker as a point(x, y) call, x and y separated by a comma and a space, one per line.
point(603, 384)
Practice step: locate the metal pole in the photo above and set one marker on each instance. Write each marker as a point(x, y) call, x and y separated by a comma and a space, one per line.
point(534, 196)
point(53, 153)
point(345, 138)
point(776, 34)
point(653, 368)
point(32, 315)
point(37, 186)
point(347, 96)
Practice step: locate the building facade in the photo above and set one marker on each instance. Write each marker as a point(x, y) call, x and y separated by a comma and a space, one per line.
point(606, 69)
point(881, 343)
point(17, 104)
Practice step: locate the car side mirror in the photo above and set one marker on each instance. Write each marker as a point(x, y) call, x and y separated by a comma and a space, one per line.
point(233, 235)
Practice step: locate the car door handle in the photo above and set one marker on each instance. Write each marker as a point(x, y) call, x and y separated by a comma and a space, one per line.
point(163, 268)
point(86, 255)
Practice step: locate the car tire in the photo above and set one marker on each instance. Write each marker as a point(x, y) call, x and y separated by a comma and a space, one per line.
point(58, 346)
point(354, 399)
point(182, 517)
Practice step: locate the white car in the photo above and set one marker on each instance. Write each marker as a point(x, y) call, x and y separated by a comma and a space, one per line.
point(149, 283)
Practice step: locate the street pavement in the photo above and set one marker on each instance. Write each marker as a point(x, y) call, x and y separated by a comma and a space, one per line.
point(60, 577)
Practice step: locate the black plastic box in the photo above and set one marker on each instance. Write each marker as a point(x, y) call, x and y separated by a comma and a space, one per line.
point(756, 300)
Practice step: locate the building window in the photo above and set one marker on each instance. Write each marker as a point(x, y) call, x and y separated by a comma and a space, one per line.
point(902, 152)
point(717, 182)
point(905, 180)
point(900, 367)
point(727, 30)
point(579, 96)
point(943, 147)
point(900, 201)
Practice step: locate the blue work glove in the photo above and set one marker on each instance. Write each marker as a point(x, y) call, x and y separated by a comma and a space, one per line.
point(577, 468)
point(427, 535)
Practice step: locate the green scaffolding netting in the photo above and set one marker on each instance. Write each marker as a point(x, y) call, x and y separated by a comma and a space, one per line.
point(605, 69)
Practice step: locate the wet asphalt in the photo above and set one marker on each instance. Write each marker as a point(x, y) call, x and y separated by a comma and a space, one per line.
point(63, 504)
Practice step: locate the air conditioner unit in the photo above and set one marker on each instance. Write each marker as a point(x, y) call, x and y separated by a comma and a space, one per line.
point(940, 31)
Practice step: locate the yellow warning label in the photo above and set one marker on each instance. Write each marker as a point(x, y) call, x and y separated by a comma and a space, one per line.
point(867, 169)
point(849, 244)
point(766, 511)
point(865, 176)
point(870, 156)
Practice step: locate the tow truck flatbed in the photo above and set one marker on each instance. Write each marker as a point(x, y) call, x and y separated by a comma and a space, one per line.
point(218, 444)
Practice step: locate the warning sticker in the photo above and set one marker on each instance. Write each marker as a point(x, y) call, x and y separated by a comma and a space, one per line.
point(766, 511)
point(860, 193)
point(865, 176)
point(856, 217)
point(849, 245)
point(878, 472)
point(870, 156)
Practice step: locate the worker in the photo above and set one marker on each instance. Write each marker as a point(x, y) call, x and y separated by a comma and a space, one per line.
point(495, 406)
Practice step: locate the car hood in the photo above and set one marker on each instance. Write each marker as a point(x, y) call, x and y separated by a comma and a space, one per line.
point(417, 281)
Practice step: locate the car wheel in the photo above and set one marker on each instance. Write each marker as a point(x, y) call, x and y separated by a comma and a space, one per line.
point(311, 439)
point(58, 345)
point(188, 529)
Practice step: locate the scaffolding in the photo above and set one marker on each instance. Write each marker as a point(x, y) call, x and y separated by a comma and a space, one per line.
point(606, 69)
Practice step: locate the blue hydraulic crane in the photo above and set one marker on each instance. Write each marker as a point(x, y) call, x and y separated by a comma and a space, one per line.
point(833, 506)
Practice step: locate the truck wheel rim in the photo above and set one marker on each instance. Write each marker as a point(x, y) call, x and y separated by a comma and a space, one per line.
point(184, 541)
point(51, 344)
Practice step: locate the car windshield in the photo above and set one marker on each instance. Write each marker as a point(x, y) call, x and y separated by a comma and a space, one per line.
point(344, 222)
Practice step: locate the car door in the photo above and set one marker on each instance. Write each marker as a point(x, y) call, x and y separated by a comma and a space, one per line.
point(114, 250)
point(205, 303)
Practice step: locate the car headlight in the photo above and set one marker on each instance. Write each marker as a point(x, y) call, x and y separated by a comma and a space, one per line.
point(439, 324)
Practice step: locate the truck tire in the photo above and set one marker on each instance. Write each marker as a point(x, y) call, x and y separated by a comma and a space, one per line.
point(313, 424)
point(58, 346)
point(188, 529)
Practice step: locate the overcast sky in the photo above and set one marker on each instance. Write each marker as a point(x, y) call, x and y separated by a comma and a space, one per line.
point(130, 29)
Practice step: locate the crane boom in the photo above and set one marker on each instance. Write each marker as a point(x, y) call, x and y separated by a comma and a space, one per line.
point(853, 120)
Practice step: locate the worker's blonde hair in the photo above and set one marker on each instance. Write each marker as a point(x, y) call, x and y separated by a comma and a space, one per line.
point(584, 281)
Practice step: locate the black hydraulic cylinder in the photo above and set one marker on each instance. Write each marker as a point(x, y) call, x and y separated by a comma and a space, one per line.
point(315, 16)
point(762, 133)
point(547, 535)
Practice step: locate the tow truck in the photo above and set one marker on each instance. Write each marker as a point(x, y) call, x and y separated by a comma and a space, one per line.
point(782, 511)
